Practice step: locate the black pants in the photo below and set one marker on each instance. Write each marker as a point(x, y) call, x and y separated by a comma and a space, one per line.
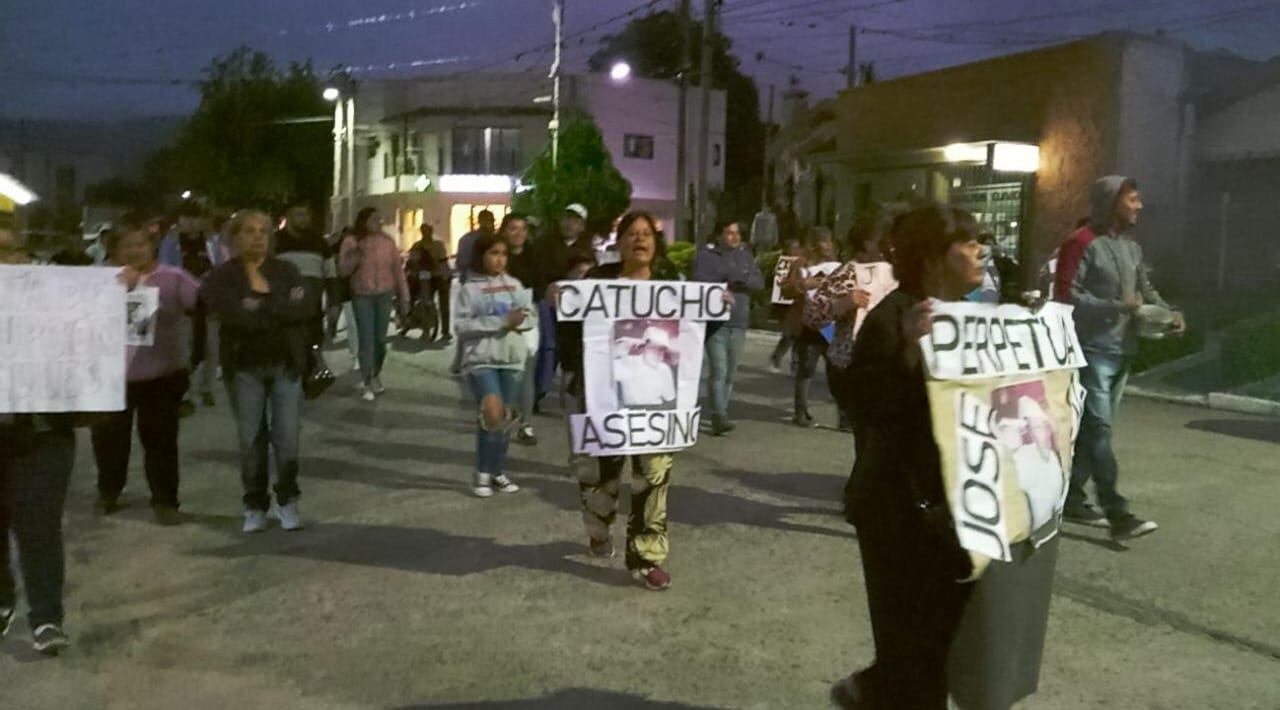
point(441, 287)
point(155, 405)
point(34, 472)
point(915, 613)
point(808, 353)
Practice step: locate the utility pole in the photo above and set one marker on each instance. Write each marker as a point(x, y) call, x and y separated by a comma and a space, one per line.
point(339, 130)
point(851, 73)
point(351, 154)
point(682, 124)
point(764, 181)
point(702, 207)
point(557, 18)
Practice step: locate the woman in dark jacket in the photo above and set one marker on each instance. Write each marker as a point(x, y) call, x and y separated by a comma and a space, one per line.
point(911, 558)
point(265, 309)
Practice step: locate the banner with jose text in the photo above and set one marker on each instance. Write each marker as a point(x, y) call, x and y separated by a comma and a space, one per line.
point(642, 358)
point(1006, 401)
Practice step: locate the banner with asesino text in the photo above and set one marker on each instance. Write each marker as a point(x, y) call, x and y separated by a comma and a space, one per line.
point(642, 359)
point(1006, 402)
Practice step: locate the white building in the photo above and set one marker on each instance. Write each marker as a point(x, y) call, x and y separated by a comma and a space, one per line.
point(442, 151)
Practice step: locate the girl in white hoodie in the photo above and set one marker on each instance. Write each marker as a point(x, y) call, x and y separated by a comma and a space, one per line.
point(492, 313)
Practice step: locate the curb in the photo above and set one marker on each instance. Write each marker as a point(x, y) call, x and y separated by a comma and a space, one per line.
point(1220, 401)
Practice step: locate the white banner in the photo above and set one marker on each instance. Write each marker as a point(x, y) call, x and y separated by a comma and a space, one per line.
point(62, 339)
point(642, 344)
point(782, 272)
point(141, 304)
point(975, 340)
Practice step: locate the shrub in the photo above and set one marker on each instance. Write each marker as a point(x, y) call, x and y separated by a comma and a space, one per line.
point(1251, 350)
point(680, 254)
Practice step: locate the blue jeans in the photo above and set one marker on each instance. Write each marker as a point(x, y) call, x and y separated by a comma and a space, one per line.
point(1103, 378)
point(724, 349)
point(267, 406)
point(373, 317)
point(491, 444)
point(545, 369)
point(33, 488)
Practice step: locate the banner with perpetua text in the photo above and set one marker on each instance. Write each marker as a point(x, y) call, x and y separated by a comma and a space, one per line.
point(62, 339)
point(1006, 401)
point(642, 359)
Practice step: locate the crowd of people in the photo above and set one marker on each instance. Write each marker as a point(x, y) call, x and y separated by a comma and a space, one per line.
point(249, 302)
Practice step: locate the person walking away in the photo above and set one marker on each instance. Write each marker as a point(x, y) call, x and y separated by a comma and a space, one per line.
point(493, 313)
point(840, 299)
point(339, 299)
point(156, 380)
point(419, 270)
point(309, 253)
point(1108, 287)
point(466, 243)
point(37, 453)
point(808, 274)
point(372, 260)
point(728, 261)
point(794, 248)
point(600, 479)
point(265, 312)
point(441, 284)
point(911, 557)
point(522, 264)
point(567, 243)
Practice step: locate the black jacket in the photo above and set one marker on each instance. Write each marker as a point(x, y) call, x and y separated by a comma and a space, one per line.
point(552, 256)
point(225, 289)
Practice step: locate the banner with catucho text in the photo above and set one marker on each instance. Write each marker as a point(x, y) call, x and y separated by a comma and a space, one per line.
point(642, 359)
point(1006, 400)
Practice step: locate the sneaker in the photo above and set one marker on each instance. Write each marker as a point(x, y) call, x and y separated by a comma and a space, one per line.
point(49, 639)
point(600, 548)
point(255, 521)
point(654, 578)
point(167, 515)
point(483, 487)
point(1084, 514)
point(366, 393)
point(106, 505)
point(775, 367)
point(376, 385)
point(504, 484)
point(186, 409)
point(207, 400)
point(7, 616)
point(289, 516)
point(1129, 527)
point(721, 428)
point(526, 436)
point(846, 695)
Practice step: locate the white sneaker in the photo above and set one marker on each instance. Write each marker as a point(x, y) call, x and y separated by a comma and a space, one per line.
point(505, 484)
point(376, 385)
point(366, 393)
point(482, 488)
point(289, 516)
point(255, 521)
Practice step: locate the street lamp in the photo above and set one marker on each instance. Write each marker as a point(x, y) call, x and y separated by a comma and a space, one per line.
point(186, 194)
point(331, 94)
point(620, 71)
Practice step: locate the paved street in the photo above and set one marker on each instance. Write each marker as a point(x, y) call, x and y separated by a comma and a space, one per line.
point(405, 591)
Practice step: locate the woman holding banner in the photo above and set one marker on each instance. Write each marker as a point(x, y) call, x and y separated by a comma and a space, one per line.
point(159, 298)
point(492, 314)
point(911, 558)
point(806, 276)
point(599, 480)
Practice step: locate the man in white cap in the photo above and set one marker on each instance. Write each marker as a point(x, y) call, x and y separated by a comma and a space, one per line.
point(553, 254)
point(643, 373)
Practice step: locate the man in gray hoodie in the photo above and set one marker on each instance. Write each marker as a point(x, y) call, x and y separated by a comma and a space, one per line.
point(1109, 286)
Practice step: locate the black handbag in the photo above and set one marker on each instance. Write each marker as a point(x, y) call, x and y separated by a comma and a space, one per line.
point(319, 377)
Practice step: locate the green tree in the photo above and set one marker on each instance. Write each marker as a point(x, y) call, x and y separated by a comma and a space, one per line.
point(652, 45)
point(241, 146)
point(584, 173)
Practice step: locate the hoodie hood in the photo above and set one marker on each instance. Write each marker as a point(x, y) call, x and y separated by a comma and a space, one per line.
point(1102, 201)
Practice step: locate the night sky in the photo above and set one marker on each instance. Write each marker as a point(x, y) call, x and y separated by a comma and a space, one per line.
point(90, 59)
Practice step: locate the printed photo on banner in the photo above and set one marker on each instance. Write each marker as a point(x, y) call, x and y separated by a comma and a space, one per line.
point(1005, 399)
point(141, 304)
point(822, 270)
point(62, 339)
point(782, 272)
point(642, 345)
